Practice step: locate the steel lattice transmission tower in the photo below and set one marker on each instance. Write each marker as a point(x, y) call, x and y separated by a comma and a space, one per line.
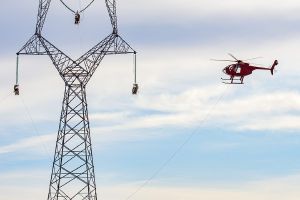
point(73, 176)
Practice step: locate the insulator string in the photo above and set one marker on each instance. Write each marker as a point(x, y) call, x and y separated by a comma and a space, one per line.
point(135, 68)
point(17, 70)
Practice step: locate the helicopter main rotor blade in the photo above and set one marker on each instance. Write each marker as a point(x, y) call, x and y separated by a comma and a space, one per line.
point(233, 57)
point(253, 58)
point(223, 60)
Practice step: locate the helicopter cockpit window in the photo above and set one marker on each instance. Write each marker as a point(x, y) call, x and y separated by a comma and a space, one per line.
point(238, 69)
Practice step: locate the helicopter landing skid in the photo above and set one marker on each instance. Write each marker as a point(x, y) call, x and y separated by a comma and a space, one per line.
point(229, 83)
point(232, 81)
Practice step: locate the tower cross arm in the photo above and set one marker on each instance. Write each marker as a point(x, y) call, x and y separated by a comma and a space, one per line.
point(92, 59)
point(120, 46)
point(112, 44)
point(33, 47)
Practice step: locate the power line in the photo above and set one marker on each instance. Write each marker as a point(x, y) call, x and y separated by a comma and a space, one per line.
point(5, 97)
point(178, 149)
point(36, 131)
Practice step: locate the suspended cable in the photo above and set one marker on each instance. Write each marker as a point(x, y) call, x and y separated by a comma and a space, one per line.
point(178, 149)
point(5, 97)
point(35, 127)
point(86, 7)
point(79, 11)
point(67, 6)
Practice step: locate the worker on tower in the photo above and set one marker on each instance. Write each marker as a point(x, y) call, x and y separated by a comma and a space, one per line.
point(135, 88)
point(77, 18)
point(16, 90)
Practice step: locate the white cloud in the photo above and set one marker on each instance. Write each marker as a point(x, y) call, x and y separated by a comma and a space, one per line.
point(199, 107)
point(194, 108)
point(271, 123)
point(108, 116)
point(192, 10)
point(24, 184)
point(271, 189)
point(184, 87)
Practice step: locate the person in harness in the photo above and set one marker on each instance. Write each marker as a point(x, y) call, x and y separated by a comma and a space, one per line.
point(16, 90)
point(77, 18)
point(135, 89)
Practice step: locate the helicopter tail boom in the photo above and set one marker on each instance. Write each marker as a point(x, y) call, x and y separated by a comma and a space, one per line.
point(273, 66)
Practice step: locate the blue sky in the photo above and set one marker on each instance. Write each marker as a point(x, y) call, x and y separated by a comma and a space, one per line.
point(245, 142)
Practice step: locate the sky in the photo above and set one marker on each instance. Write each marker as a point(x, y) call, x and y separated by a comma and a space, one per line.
point(185, 136)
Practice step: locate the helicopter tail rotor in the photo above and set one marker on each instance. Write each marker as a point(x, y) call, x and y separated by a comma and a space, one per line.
point(273, 66)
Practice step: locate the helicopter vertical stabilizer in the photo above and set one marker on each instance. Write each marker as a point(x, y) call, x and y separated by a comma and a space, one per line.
point(273, 66)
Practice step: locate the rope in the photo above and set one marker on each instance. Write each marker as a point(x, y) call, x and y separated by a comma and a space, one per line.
point(178, 150)
point(4, 98)
point(34, 126)
point(82, 10)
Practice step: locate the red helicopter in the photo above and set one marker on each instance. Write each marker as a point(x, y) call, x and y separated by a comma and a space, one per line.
point(241, 69)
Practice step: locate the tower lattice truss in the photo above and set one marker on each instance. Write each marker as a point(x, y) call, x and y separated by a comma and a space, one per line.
point(73, 176)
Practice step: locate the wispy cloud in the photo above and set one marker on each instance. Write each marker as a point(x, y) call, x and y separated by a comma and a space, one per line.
point(193, 10)
point(36, 144)
point(205, 106)
point(270, 189)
